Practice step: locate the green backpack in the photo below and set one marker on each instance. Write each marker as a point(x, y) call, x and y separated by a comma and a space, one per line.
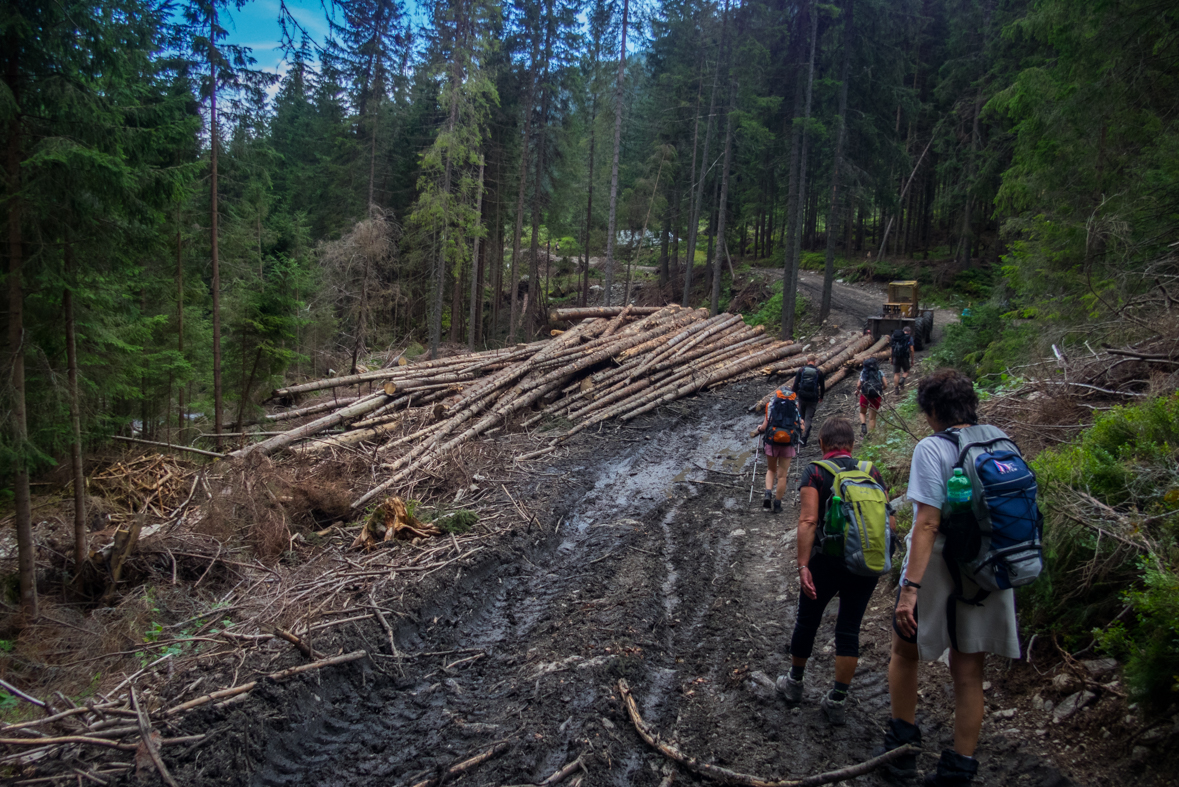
point(865, 510)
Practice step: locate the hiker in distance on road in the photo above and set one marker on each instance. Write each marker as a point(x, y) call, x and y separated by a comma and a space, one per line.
point(870, 387)
point(901, 344)
point(837, 494)
point(781, 431)
point(975, 535)
point(811, 386)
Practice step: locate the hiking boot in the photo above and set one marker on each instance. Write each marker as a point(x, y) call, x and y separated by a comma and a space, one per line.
point(904, 768)
point(777, 506)
point(863, 430)
point(953, 770)
point(835, 710)
point(769, 500)
point(790, 688)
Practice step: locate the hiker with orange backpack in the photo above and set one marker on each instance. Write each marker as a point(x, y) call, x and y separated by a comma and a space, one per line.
point(781, 432)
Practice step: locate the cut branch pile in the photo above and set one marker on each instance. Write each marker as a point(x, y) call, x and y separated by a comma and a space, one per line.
point(611, 363)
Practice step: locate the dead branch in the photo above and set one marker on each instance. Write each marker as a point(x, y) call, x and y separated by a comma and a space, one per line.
point(727, 776)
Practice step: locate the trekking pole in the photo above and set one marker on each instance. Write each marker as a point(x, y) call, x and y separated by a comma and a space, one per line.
point(753, 481)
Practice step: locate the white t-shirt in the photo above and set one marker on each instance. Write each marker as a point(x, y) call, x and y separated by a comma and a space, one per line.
point(988, 628)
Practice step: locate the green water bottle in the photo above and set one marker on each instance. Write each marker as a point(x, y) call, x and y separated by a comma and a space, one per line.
point(958, 492)
point(834, 528)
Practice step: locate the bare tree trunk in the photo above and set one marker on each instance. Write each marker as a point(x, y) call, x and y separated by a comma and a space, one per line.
point(694, 218)
point(80, 541)
point(476, 271)
point(514, 314)
point(589, 209)
point(179, 323)
point(794, 250)
point(217, 425)
point(440, 264)
point(664, 242)
point(837, 166)
point(723, 201)
point(685, 282)
point(612, 221)
point(536, 313)
point(497, 270)
point(26, 556)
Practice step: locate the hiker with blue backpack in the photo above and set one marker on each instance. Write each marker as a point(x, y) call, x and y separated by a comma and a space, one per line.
point(781, 431)
point(845, 538)
point(976, 535)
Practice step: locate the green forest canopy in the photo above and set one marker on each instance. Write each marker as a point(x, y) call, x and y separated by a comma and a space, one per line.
point(195, 240)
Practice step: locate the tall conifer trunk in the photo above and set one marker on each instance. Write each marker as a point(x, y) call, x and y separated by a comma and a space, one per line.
point(722, 202)
point(612, 221)
point(26, 556)
point(476, 314)
point(514, 314)
point(837, 166)
point(698, 202)
point(217, 424)
point(794, 247)
point(80, 541)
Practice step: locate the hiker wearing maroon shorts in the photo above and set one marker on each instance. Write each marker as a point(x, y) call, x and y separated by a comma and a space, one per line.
point(870, 387)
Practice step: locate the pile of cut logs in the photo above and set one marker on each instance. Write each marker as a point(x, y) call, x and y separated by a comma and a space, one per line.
point(612, 363)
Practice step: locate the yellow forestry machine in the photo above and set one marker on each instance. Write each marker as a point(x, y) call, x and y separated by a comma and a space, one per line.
point(901, 309)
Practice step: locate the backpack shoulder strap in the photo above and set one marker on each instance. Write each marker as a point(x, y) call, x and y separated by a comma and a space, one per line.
point(827, 465)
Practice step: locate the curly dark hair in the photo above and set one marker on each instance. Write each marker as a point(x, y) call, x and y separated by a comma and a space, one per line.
point(948, 395)
point(836, 434)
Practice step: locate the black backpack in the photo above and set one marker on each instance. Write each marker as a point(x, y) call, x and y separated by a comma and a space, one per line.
point(871, 381)
point(785, 424)
point(808, 384)
point(900, 344)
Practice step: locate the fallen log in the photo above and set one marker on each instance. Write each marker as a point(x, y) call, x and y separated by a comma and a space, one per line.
point(311, 409)
point(846, 354)
point(582, 312)
point(365, 405)
point(728, 776)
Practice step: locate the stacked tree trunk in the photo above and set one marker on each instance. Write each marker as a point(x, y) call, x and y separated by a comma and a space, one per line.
point(611, 363)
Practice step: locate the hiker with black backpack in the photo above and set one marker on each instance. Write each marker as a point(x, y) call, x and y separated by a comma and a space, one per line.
point(781, 432)
point(870, 388)
point(811, 386)
point(901, 344)
point(976, 535)
point(845, 537)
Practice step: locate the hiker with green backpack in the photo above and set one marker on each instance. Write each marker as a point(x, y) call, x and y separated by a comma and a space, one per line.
point(845, 544)
point(976, 535)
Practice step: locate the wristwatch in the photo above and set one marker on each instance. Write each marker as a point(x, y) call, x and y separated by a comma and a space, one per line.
point(908, 583)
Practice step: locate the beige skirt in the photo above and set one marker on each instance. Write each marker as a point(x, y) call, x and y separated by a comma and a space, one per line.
point(987, 628)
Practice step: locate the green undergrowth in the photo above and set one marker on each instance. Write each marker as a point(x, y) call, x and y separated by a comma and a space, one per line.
point(770, 312)
point(1111, 538)
point(986, 344)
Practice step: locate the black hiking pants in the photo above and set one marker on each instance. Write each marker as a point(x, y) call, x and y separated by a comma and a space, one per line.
point(832, 579)
point(806, 410)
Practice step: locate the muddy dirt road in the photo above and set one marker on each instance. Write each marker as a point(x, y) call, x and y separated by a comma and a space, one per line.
point(645, 561)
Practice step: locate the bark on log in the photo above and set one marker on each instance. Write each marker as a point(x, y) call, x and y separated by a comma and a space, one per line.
point(846, 354)
point(582, 312)
point(365, 405)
